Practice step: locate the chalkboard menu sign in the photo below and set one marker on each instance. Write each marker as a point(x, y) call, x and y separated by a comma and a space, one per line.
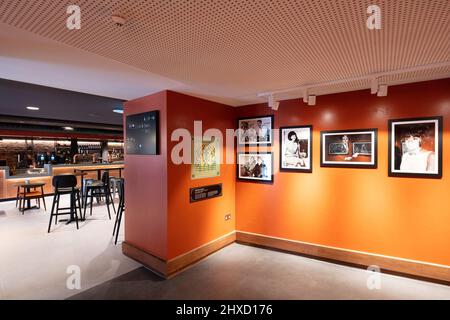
point(142, 133)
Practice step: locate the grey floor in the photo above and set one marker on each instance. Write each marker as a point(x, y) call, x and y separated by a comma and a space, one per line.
point(245, 272)
point(34, 264)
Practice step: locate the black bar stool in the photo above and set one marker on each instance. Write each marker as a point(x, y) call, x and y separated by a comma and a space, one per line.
point(121, 186)
point(65, 185)
point(98, 190)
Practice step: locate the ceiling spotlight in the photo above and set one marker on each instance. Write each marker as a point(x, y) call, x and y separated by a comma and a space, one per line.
point(33, 108)
point(374, 86)
point(382, 90)
point(68, 128)
point(118, 110)
point(273, 103)
point(119, 20)
point(311, 100)
point(305, 96)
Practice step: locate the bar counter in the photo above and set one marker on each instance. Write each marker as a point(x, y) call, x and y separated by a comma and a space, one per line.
point(8, 183)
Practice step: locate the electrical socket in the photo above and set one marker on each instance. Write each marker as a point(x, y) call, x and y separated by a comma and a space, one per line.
point(227, 217)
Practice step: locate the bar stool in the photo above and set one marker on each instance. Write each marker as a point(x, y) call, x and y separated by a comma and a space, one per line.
point(115, 186)
point(121, 187)
point(24, 197)
point(65, 185)
point(99, 189)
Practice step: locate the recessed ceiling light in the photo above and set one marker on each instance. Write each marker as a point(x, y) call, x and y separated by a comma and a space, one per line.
point(33, 108)
point(118, 110)
point(68, 128)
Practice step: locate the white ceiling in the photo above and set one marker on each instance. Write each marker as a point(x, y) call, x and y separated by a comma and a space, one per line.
point(227, 51)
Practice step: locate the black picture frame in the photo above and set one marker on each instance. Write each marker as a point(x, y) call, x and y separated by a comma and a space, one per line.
point(142, 133)
point(391, 173)
point(349, 164)
point(310, 147)
point(238, 176)
point(257, 143)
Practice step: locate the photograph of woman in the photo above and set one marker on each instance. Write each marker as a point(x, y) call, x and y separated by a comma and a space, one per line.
point(416, 147)
point(295, 148)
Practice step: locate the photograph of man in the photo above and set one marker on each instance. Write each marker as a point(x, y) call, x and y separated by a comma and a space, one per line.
point(260, 169)
point(255, 166)
point(255, 131)
point(262, 132)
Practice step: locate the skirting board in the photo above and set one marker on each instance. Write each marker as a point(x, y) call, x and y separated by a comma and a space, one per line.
point(168, 269)
point(403, 266)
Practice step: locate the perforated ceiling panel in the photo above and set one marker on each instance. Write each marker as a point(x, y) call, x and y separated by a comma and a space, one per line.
point(246, 47)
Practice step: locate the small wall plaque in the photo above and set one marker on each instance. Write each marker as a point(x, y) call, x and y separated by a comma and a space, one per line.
point(206, 192)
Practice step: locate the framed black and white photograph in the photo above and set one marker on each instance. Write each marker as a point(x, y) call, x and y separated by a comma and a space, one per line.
point(296, 149)
point(349, 148)
point(255, 131)
point(255, 166)
point(415, 148)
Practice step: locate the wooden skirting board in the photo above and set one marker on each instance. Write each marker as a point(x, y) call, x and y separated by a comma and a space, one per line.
point(168, 269)
point(398, 265)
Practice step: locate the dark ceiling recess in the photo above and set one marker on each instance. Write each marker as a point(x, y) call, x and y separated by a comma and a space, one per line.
point(55, 127)
point(57, 104)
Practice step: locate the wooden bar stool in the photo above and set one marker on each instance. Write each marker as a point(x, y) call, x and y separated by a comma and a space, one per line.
point(24, 197)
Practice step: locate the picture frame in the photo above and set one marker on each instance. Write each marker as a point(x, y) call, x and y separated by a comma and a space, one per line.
point(296, 149)
point(205, 158)
point(255, 167)
point(255, 131)
point(337, 148)
point(415, 147)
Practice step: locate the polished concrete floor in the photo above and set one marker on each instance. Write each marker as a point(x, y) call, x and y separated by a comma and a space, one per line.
point(244, 272)
point(34, 264)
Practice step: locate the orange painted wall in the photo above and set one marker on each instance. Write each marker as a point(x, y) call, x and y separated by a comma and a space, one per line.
point(146, 185)
point(191, 225)
point(358, 209)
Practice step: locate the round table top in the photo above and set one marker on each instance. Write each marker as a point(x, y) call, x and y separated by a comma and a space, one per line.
point(31, 184)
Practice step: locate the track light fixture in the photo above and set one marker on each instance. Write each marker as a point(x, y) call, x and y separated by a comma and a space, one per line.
point(311, 100)
point(382, 90)
point(273, 103)
point(374, 86)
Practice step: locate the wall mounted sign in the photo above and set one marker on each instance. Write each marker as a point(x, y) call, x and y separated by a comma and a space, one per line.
point(296, 149)
point(206, 192)
point(349, 148)
point(255, 166)
point(142, 133)
point(205, 159)
point(415, 147)
point(255, 131)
